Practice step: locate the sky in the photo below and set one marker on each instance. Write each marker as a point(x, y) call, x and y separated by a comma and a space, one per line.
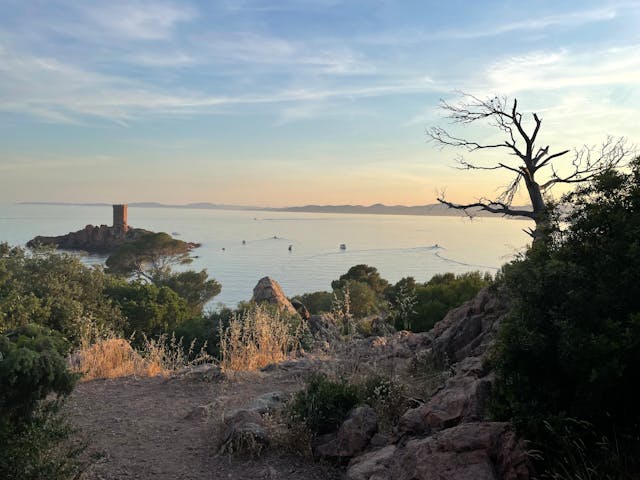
point(293, 102)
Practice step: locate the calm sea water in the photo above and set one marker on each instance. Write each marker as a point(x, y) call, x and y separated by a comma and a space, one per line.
point(397, 245)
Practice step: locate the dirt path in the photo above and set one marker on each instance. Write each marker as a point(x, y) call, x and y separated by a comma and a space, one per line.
point(141, 428)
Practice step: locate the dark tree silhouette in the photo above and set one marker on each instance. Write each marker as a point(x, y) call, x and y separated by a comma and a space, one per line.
point(535, 166)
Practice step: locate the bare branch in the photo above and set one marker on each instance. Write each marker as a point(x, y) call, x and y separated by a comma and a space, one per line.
point(491, 206)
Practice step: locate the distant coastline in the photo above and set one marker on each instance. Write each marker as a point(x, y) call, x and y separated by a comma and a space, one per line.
point(376, 209)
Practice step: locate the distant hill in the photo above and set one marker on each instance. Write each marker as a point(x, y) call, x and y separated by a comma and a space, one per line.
point(436, 209)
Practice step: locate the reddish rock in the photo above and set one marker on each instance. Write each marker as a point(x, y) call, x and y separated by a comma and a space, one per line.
point(269, 291)
point(475, 451)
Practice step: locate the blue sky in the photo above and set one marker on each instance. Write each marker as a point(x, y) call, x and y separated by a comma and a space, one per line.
point(292, 102)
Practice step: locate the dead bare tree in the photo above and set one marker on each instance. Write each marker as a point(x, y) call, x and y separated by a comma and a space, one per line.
point(522, 157)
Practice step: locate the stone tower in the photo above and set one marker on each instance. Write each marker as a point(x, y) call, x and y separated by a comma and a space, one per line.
point(120, 226)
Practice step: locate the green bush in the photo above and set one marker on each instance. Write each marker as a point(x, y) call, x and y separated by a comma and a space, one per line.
point(570, 349)
point(56, 291)
point(323, 404)
point(362, 274)
point(148, 309)
point(436, 297)
point(205, 329)
point(33, 381)
point(316, 302)
point(362, 299)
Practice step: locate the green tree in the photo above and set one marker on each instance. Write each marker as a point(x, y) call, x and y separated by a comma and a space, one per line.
point(33, 382)
point(316, 302)
point(570, 349)
point(443, 292)
point(55, 290)
point(196, 288)
point(363, 274)
point(149, 309)
point(151, 256)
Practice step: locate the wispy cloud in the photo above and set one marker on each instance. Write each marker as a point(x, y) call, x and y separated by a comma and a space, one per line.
point(142, 20)
point(565, 69)
point(564, 20)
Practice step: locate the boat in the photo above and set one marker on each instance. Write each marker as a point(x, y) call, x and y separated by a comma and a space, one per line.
point(343, 246)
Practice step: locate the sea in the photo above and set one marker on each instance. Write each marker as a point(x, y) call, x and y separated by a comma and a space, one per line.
point(302, 251)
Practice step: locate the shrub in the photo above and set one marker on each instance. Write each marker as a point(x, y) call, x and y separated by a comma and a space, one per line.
point(149, 309)
point(362, 298)
point(323, 404)
point(258, 337)
point(362, 274)
point(433, 299)
point(571, 345)
point(33, 382)
point(56, 291)
point(316, 302)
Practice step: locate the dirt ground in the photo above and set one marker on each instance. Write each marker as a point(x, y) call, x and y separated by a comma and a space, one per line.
point(146, 428)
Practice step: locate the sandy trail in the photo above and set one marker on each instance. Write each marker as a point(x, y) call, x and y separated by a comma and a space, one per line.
point(139, 428)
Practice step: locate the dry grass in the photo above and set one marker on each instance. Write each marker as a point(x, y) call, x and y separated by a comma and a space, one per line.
point(257, 338)
point(115, 357)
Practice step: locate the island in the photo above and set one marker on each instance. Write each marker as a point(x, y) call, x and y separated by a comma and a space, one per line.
point(99, 239)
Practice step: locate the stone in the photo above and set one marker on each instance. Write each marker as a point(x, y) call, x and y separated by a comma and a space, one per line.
point(469, 330)
point(244, 432)
point(205, 372)
point(462, 399)
point(474, 451)
point(352, 437)
point(301, 309)
point(269, 291)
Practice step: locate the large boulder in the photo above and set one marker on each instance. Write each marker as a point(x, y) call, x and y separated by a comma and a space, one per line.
point(269, 291)
point(469, 330)
point(473, 451)
point(462, 399)
point(352, 437)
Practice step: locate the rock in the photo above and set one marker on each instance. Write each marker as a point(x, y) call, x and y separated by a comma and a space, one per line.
point(352, 437)
point(469, 329)
point(475, 451)
point(244, 432)
point(323, 327)
point(301, 309)
point(267, 402)
point(205, 372)
point(462, 399)
point(269, 291)
point(373, 465)
point(92, 239)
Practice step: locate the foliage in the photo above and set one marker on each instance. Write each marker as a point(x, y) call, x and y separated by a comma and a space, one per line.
point(316, 302)
point(196, 288)
point(323, 404)
point(33, 378)
point(571, 345)
point(259, 336)
point(204, 330)
point(149, 257)
point(362, 274)
point(428, 303)
point(55, 290)
point(361, 297)
point(148, 308)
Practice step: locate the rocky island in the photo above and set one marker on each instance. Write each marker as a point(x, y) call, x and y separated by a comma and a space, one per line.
point(98, 239)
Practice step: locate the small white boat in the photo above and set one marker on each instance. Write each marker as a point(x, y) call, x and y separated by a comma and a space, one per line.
point(343, 246)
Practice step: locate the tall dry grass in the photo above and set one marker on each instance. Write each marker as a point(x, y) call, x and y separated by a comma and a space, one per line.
point(258, 337)
point(115, 357)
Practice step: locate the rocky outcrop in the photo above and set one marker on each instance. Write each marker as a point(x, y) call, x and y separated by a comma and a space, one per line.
point(352, 438)
point(92, 239)
point(447, 437)
point(471, 451)
point(269, 291)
